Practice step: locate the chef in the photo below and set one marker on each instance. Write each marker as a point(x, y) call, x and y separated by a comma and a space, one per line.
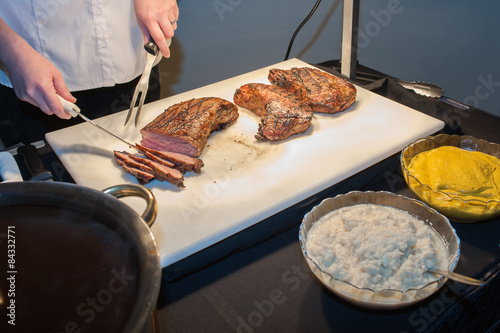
point(90, 50)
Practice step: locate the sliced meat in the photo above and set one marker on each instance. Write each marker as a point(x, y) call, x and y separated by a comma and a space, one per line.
point(143, 168)
point(133, 161)
point(143, 173)
point(181, 161)
point(154, 158)
point(324, 92)
point(173, 176)
point(163, 162)
point(142, 176)
point(185, 127)
point(282, 114)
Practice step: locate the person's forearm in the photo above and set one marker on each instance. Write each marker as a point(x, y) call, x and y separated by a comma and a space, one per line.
point(11, 43)
point(34, 79)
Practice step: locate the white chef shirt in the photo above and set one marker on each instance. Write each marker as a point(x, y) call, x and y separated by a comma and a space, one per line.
point(93, 43)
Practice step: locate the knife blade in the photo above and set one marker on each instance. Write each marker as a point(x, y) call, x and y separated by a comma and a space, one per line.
point(34, 163)
point(74, 111)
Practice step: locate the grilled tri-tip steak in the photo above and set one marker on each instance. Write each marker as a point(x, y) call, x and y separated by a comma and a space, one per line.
point(282, 114)
point(324, 92)
point(185, 127)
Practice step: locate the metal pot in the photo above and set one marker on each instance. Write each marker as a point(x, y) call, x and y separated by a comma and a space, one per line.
point(115, 215)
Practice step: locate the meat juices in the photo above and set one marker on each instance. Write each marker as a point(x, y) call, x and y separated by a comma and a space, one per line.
point(323, 92)
point(185, 127)
point(282, 114)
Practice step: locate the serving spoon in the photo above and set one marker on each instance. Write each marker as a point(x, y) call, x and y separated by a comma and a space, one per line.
point(456, 277)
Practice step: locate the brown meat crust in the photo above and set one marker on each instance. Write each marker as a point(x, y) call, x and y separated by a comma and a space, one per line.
point(185, 127)
point(282, 114)
point(145, 170)
point(181, 162)
point(143, 173)
point(324, 92)
point(173, 176)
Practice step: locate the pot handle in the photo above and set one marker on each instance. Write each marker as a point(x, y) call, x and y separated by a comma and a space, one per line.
point(131, 190)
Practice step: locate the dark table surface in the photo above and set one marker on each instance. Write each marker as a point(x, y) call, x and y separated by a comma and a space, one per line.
point(258, 281)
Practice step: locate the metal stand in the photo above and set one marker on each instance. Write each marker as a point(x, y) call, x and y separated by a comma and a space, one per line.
point(350, 26)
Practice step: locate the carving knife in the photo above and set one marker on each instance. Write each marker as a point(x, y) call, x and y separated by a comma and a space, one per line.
point(74, 111)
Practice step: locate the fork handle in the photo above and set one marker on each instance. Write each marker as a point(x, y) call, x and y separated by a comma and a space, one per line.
point(151, 47)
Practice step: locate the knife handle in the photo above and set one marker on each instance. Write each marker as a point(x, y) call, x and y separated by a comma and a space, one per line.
point(151, 47)
point(69, 107)
point(34, 163)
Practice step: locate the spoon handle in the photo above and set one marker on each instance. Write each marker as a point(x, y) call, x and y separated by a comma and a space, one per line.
point(457, 277)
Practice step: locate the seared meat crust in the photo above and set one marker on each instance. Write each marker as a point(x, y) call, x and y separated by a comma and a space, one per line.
point(323, 92)
point(185, 127)
point(181, 162)
point(282, 114)
point(145, 169)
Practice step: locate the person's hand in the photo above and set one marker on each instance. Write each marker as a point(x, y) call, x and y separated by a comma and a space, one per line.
point(157, 19)
point(34, 79)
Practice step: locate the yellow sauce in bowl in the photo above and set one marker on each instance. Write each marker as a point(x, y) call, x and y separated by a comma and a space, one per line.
point(458, 172)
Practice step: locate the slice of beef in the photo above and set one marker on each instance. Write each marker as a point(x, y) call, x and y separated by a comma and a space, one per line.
point(173, 176)
point(282, 114)
point(143, 173)
point(185, 127)
point(324, 92)
point(132, 161)
point(163, 161)
point(142, 176)
point(143, 167)
point(154, 158)
point(181, 161)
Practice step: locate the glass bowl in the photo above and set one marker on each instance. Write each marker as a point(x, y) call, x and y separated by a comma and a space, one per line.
point(454, 207)
point(385, 299)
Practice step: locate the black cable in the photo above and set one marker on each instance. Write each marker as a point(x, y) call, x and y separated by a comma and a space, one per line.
point(300, 27)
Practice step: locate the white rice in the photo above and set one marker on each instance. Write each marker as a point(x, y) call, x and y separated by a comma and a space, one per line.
point(376, 247)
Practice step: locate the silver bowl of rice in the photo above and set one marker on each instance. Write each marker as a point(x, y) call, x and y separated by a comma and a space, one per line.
point(373, 249)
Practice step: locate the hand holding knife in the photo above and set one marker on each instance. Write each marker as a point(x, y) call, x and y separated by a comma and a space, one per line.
point(74, 111)
point(32, 158)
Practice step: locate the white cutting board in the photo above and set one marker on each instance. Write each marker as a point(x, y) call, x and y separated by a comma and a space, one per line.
point(244, 181)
